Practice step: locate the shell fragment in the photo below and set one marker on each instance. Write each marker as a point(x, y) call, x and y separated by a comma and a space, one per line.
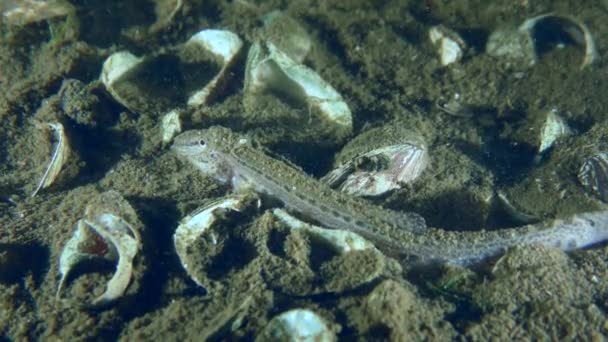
point(59, 157)
point(301, 325)
point(554, 128)
point(450, 46)
point(102, 233)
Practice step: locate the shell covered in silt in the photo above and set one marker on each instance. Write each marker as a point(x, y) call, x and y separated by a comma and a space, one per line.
point(378, 161)
point(593, 175)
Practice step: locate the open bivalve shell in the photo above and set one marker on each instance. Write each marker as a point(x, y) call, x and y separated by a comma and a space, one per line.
point(189, 74)
point(297, 325)
point(525, 43)
point(379, 161)
point(271, 71)
point(200, 229)
point(108, 230)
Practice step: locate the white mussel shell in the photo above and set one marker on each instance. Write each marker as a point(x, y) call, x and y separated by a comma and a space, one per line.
point(297, 325)
point(201, 225)
point(103, 233)
point(554, 128)
point(269, 70)
point(450, 46)
point(187, 75)
point(59, 156)
point(287, 35)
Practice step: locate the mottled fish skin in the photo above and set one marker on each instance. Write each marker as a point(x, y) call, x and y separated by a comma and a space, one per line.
point(231, 159)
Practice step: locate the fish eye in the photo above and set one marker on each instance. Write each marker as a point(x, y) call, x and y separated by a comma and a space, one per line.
point(201, 142)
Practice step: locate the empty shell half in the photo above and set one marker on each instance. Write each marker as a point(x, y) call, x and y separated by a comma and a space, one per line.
point(201, 228)
point(374, 167)
point(593, 175)
point(525, 43)
point(271, 71)
point(189, 74)
point(300, 325)
point(108, 230)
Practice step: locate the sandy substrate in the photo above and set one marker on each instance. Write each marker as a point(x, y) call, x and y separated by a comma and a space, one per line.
point(381, 61)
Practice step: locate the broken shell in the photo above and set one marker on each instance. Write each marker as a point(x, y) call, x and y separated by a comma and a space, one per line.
point(269, 70)
point(104, 233)
point(171, 126)
point(287, 35)
point(525, 44)
point(341, 240)
point(515, 213)
point(399, 158)
point(554, 128)
point(199, 227)
point(450, 46)
point(24, 12)
point(297, 325)
point(59, 156)
point(593, 175)
point(188, 74)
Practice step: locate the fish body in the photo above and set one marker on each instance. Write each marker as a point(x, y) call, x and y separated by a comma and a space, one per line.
point(231, 159)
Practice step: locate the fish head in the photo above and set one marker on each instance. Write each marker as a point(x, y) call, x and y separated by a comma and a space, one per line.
point(207, 149)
